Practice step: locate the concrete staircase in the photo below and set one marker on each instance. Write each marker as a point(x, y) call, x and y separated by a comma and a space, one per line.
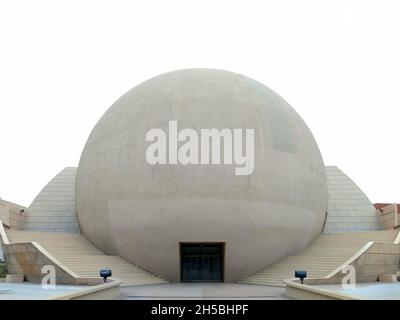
point(323, 255)
point(78, 254)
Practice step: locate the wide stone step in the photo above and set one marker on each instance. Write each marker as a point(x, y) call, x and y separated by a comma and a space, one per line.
point(78, 254)
point(321, 257)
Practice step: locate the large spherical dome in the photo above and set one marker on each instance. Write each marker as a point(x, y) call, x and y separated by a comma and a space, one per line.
point(143, 211)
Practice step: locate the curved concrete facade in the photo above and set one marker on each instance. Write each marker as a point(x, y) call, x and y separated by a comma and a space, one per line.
point(53, 209)
point(349, 209)
point(142, 212)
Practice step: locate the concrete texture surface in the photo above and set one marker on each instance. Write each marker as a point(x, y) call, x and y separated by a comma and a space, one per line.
point(11, 214)
point(349, 209)
point(53, 209)
point(77, 254)
point(366, 291)
point(126, 206)
point(202, 291)
point(32, 291)
point(324, 255)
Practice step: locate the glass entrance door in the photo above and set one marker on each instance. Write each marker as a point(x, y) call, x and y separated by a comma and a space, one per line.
point(201, 262)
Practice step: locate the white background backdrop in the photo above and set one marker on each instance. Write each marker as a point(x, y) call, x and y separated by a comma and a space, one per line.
point(63, 63)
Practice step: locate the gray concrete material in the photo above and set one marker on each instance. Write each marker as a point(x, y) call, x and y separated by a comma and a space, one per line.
point(33, 291)
point(349, 209)
point(366, 291)
point(202, 291)
point(126, 206)
point(53, 209)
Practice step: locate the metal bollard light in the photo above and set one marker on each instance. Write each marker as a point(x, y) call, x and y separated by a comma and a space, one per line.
point(302, 274)
point(105, 273)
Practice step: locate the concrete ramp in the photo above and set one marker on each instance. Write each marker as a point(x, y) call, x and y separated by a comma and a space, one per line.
point(82, 257)
point(323, 255)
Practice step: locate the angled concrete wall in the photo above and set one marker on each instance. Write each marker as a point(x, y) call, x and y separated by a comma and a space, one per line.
point(349, 209)
point(11, 214)
point(54, 207)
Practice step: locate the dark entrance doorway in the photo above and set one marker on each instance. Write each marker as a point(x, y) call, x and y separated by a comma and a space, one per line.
point(202, 262)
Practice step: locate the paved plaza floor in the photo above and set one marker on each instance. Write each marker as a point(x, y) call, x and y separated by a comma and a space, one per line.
point(367, 291)
point(33, 291)
point(202, 291)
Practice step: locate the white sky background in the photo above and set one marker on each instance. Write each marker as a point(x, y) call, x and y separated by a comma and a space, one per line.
point(63, 63)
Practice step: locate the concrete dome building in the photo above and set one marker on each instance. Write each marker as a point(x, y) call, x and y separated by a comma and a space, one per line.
point(202, 175)
point(201, 220)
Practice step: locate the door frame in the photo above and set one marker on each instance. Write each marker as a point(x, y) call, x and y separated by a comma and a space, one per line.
point(222, 244)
